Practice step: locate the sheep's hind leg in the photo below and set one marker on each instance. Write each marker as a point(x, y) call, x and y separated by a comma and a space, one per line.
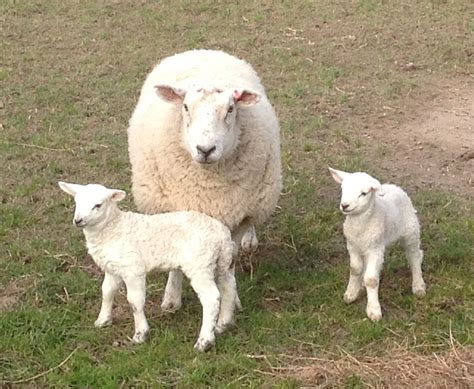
point(209, 295)
point(172, 299)
point(110, 286)
point(136, 289)
point(354, 286)
point(415, 258)
point(228, 290)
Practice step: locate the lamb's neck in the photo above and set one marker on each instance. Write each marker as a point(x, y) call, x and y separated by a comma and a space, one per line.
point(108, 227)
point(363, 219)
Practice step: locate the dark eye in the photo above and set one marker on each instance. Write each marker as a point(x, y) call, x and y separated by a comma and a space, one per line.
point(231, 109)
point(186, 108)
point(363, 194)
point(97, 206)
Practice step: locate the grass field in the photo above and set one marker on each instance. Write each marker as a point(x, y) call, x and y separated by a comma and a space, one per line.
point(70, 77)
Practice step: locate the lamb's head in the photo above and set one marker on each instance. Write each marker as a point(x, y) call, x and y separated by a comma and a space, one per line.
point(358, 191)
point(94, 203)
point(210, 119)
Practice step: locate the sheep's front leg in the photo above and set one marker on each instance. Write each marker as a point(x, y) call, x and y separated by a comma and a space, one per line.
point(136, 290)
point(209, 295)
point(371, 282)
point(228, 291)
point(172, 299)
point(354, 285)
point(110, 286)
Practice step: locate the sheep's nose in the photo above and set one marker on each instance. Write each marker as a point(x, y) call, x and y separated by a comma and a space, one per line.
point(78, 221)
point(205, 151)
point(344, 206)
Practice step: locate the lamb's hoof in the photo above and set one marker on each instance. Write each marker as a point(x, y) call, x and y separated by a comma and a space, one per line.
point(222, 327)
point(419, 290)
point(238, 304)
point(203, 344)
point(374, 313)
point(170, 306)
point(350, 297)
point(139, 337)
point(103, 322)
point(249, 241)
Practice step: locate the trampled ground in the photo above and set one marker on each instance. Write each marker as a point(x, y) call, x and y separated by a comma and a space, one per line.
point(359, 85)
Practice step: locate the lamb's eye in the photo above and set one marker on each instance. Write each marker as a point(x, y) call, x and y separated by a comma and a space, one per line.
point(186, 108)
point(97, 206)
point(231, 109)
point(363, 194)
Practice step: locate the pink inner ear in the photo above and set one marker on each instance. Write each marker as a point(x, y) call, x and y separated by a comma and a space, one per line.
point(237, 95)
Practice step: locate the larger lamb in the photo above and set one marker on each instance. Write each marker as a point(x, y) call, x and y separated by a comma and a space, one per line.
point(205, 137)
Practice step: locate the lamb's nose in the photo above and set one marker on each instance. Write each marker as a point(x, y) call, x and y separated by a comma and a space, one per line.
point(205, 151)
point(78, 221)
point(344, 206)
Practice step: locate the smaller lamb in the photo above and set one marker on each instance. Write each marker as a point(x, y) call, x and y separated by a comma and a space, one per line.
point(376, 216)
point(127, 245)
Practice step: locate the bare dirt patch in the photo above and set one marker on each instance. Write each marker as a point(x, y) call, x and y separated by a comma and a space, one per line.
point(433, 145)
point(399, 368)
point(13, 291)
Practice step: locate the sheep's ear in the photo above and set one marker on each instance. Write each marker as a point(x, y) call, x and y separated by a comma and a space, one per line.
point(245, 97)
point(70, 189)
point(117, 195)
point(337, 175)
point(168, 93)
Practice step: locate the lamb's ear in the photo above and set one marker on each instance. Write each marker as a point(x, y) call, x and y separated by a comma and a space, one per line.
point(117, 195)
point(376, 186)
point(168, 93)
point(245, 98)
point(337, 175)
point(70, 189)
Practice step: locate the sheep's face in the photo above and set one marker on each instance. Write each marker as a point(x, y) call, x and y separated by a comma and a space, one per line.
point(357, 190)
point(210, 119)
point(93, 202)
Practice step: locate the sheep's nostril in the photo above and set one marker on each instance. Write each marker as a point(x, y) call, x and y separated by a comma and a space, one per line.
point(205, 151)
point(78, 221)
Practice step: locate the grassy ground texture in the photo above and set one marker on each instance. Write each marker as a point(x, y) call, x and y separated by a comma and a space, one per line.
point(70, 77)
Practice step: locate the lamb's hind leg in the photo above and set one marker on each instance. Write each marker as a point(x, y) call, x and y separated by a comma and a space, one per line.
point(415, 258)
point(208, 293)
point(228, 290)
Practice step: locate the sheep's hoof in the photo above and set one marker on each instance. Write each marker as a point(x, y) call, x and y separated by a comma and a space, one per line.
point(170, 306)
point(139, 337)
point(203, 345)
point(374, 313)
point(249, 241)
point(103, 322)
point(419, 290)
point(350, 297)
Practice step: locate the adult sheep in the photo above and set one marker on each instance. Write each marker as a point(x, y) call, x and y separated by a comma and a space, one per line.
point(204, 137)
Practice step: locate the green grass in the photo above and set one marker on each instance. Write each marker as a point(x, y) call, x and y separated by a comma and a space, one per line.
point(70, 77)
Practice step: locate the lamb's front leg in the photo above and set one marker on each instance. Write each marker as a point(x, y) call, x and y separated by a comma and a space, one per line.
point(354, 285)
point(371, 282)
point(172, 298)
point(136, 290)
point(110, 286)
point(228, 291)
point(209, 295)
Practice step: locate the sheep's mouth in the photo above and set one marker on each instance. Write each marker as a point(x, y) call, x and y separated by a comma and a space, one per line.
point(347, 211)
point(81, 225)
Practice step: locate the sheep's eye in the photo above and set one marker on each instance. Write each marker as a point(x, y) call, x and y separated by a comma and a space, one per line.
point(231, 109)
point(186, 108)
point(97, 206)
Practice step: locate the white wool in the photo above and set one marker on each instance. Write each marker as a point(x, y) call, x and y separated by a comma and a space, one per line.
point(188, 152)
point(376, 216)
point(127, 245)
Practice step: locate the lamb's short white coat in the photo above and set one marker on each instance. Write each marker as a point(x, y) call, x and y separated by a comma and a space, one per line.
point(376, 216)
point(127, 245)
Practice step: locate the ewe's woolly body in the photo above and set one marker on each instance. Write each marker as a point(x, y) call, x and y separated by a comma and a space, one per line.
point(135, 244)
point(245, 185)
